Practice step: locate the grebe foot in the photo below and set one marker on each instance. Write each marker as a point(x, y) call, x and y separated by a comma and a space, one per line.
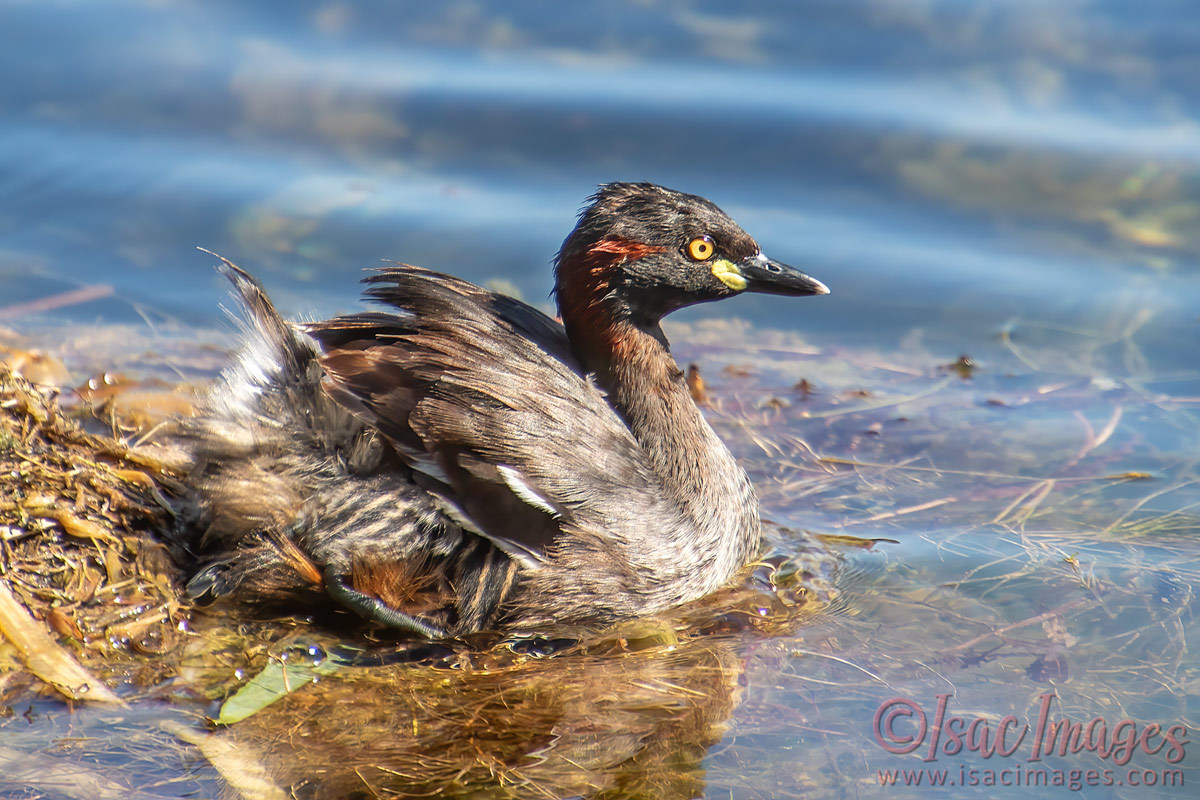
point(373, 608)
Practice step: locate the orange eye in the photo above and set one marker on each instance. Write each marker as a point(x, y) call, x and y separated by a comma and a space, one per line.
point(701, 248)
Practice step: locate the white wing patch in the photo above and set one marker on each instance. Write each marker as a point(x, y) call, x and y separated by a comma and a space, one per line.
point(524, 491)
point(528, 559)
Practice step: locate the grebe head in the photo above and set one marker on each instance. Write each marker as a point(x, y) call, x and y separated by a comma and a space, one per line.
point(642, 251)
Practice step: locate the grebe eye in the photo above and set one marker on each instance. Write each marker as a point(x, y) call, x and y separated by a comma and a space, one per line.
point(701, 249)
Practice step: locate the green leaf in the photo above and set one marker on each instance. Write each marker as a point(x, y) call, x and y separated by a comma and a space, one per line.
point(292, 670)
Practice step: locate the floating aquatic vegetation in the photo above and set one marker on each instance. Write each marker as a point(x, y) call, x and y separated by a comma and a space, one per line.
point(76, 523)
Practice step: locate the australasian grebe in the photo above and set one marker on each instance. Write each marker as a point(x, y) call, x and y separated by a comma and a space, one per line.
point(465, 461)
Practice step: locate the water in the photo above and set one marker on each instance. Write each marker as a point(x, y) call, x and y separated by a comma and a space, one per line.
point(1014, 181)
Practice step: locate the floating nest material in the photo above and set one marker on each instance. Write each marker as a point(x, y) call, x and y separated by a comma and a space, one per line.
point(76, 512)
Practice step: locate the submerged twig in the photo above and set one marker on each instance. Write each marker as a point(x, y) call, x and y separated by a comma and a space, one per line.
point(901, 511)
point(1054, 612)
point(839, 412)
point(237, 765)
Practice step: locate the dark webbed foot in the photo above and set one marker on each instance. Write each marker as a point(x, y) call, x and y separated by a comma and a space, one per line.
point(209, 583)
point(373, 608)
